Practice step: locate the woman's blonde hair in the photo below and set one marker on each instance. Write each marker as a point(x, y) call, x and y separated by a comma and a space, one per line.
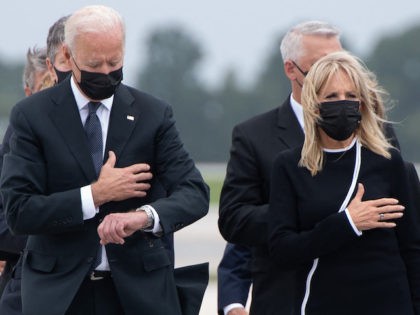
point(369, 93)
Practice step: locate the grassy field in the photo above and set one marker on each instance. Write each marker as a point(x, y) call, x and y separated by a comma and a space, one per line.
point(215, 185)
point(214, 175)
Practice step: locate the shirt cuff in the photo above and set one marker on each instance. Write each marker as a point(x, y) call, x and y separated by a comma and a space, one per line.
point(156, 229)
point(88, 206)
point(355, 229)
point(230, 307)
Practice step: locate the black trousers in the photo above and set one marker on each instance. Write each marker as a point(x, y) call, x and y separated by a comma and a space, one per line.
point(96, 297)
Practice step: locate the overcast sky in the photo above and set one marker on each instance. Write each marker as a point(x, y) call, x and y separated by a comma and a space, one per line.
point(231, 32)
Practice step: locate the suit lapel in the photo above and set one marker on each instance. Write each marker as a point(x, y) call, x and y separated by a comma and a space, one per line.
point(289, 130)
point(66, 117)
point(122, 121)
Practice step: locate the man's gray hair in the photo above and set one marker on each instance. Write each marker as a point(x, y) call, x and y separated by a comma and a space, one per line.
point(291, 45)
point(55, 38)
point(35, 63)
point(92, 19)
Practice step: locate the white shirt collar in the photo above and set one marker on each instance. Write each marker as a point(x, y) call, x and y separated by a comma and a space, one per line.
point(298, 110)
point(82, 100)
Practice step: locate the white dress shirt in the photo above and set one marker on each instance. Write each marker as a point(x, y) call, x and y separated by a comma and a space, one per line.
point(298, 110)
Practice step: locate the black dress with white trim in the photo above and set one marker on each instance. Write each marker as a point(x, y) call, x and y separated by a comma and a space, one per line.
point(377, 272)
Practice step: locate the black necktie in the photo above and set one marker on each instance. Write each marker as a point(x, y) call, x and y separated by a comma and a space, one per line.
point(94, 134)
point(93, 131)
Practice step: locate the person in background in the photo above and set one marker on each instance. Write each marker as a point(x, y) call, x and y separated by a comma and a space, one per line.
point(35, 70)
point(56, 64)
point(245, 193)
point(35, 78)
point(56, 61)
point(246, 190)
point(37, 75)
point(88, 204)
point(346, 254)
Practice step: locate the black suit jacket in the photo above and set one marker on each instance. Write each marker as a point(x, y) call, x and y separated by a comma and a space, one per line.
point(49, 161)
point(245, 196)
point(10, 245)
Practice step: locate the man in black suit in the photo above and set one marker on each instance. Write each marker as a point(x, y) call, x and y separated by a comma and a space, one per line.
point(34, 72)
point(94, 243)
point(245, 194)
point(234, 280)
point(50, 63)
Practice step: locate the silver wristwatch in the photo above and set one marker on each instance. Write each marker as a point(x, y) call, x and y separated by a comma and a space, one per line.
point(150, 217)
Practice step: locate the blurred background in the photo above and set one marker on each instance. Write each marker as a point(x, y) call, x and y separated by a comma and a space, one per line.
point(218, 63)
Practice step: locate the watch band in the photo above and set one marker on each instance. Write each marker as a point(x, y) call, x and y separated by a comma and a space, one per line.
point(150, 217)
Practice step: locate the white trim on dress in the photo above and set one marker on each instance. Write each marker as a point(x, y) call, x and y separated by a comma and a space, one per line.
point(357, 164)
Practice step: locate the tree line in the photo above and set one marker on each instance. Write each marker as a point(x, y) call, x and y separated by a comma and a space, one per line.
point(206, 115)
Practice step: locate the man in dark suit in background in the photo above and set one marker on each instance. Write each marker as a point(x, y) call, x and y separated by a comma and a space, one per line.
point(94, 242)
point(34, 73)
point(56, 62)
point(234, 280)
point(245, 194)
point(48, 63)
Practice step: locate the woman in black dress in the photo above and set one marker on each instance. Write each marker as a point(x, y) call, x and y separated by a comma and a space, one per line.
point(342, 212)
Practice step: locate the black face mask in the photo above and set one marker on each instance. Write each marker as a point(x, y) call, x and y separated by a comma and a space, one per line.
point(339, 119)
point(98, 86)
point(61, 75)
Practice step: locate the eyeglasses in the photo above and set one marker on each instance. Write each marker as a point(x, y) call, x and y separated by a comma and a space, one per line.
point(300, 70)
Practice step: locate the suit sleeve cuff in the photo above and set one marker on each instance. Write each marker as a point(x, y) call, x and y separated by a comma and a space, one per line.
point(355, 229)
point(88, 206)
point(230, 307)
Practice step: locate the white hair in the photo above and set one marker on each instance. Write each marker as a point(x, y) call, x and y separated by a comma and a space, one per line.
point(291, 45)
point(35, 63)
point(93, 19)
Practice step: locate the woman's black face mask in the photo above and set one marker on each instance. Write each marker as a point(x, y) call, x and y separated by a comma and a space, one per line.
point(339, 119)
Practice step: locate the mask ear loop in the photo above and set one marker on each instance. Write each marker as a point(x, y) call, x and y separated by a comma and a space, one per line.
point(304, 73)
point(71, 56)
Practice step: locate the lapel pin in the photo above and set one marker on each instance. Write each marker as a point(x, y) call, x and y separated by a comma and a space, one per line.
point(129, 117)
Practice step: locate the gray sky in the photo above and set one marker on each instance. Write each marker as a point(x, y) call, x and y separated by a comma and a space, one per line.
point(231, 32)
